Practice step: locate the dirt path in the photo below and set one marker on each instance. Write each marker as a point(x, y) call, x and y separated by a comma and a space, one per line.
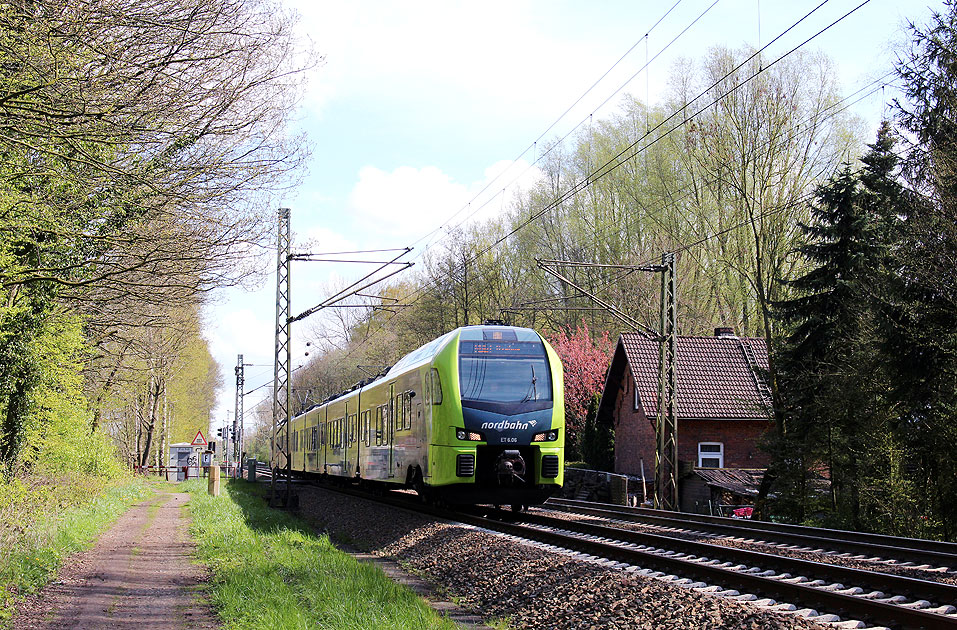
point(139, 575)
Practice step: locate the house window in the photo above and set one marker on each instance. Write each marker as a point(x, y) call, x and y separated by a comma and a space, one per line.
point(710, 455)
point(637, 400)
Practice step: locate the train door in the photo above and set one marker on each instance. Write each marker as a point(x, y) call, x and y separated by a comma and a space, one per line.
point(419, 409)
point(323, 429)
point(390, 429)
point(345, 441)
point(365, 440)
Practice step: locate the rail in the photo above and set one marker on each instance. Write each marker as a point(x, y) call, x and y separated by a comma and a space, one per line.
point(913, 549)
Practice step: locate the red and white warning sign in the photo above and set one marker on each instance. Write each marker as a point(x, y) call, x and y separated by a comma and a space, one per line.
point(199, 440)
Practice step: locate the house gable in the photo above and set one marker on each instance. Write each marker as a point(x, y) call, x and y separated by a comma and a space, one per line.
point(721, 399)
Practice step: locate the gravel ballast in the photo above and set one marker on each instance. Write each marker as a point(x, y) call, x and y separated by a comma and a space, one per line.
point(527, 585)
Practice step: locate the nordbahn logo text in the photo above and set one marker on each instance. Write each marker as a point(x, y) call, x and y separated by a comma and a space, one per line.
point(507, 424)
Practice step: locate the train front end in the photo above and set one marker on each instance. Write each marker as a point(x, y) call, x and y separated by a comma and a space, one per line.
point(500, 439)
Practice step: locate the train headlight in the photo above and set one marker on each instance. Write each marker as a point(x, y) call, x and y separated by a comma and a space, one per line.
point(546, 436)
point(469, 436)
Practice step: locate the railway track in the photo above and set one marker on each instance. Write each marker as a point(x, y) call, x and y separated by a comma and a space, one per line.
point(888, 550)
point(875, 598)
point(824, 592)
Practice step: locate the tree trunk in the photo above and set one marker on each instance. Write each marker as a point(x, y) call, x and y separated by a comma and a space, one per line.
point(153, 397)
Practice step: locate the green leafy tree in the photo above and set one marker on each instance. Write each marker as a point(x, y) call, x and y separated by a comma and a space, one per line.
point(137, 144)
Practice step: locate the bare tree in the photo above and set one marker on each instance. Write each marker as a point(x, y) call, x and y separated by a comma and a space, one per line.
point(145, 135)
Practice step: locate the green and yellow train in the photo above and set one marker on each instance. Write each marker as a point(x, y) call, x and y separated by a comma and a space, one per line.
point(475, 416)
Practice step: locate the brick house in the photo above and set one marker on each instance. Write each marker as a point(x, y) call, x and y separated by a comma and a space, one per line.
point(723, 403)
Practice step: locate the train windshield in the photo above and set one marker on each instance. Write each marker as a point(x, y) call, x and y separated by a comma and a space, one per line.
point(504, 371)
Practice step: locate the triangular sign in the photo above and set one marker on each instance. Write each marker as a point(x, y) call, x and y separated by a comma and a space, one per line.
point(199, 440)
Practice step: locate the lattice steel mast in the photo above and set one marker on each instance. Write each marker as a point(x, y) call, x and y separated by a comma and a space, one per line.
point(666, 424)
point(279, 454)
point(238, 416)
point(666, 453)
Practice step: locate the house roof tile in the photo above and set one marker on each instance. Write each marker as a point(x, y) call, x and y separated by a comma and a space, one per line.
point(715, 377)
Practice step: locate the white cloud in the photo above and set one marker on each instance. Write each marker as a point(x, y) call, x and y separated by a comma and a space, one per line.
point(407, 203)
point(229, 333)
point(404, 201)
point(318, 238)
point(493, 57)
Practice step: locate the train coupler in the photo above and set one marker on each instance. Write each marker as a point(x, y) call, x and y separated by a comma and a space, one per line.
point(510, 468)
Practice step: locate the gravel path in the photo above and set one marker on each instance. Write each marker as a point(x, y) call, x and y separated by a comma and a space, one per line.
point(139, 575)
point(524, 584)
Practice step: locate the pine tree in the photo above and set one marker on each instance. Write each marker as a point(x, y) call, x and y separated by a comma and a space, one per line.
point(923, 347)
point(832, 391)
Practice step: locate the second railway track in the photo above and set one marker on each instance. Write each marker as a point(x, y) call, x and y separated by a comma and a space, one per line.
point(907, 552)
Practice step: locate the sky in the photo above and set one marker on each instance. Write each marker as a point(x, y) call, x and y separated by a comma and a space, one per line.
point(423, 114)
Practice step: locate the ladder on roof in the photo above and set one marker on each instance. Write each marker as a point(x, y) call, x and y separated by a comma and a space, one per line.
point(757, 372)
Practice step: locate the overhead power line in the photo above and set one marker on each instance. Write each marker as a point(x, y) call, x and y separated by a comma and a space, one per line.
point(633, 149)
point(542, 135)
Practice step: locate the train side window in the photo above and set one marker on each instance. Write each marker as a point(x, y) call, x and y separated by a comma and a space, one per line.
point(364, 429)
point(407, 410)
point(389, 428)
point(352, 428)
point(435, 384)
point(379, 412)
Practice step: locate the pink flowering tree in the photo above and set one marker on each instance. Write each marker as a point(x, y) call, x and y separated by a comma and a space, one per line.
point(585, 359)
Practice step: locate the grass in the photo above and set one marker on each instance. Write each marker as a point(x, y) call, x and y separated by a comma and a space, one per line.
point(40, 526)
point(271, 571)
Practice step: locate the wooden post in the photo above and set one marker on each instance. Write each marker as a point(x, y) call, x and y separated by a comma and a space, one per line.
point(214, 481)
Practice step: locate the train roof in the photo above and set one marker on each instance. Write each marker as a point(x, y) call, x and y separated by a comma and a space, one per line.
point(427, 352)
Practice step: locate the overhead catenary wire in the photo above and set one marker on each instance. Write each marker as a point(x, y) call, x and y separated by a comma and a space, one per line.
point(550, 127)
point(588, 118)
point(534, 145)
point(803, 199)
point(633, 149)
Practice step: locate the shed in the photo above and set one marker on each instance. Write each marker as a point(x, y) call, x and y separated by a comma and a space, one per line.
point(184, 455)
point(705, 489)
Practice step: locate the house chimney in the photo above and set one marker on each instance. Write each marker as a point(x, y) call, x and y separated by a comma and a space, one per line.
point(724, 331)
